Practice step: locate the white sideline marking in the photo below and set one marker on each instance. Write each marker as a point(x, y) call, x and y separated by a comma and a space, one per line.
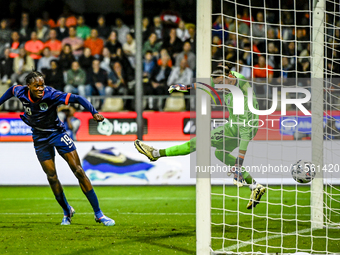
point(249, 242)
point(150, 213)
point(138, 198)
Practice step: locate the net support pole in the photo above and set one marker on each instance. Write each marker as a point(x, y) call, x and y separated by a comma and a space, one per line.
point(203, 119)
point(317, 113)
point(139, 67)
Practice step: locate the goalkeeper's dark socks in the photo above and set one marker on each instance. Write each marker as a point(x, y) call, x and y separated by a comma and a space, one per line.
point(63, 203)
point(92, 197)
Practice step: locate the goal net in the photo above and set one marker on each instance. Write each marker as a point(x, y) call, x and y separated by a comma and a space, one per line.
point(278, 47)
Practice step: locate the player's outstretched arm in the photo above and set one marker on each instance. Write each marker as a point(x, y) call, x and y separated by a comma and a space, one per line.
point(8, 94)
point(87, 105)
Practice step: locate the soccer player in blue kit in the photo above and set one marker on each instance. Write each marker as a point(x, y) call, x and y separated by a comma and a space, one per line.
point(40, 103)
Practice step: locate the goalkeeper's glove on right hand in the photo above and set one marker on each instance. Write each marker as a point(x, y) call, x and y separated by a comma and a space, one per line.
point(238, 177)
point(178, 87)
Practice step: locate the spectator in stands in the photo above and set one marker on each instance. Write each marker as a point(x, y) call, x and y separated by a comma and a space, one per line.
point(122, 30)
point(22, 65)
point(117, 81)
point(103, 30)
point(94, 43)
point(218, 28)
point(188, 55)
point(66, 58)
point(286, 30)
point(112, 43)
point(162, 53)
point(172, 44)
point(158, 82)
point(53, 43)
point(5, 35)
point(273, 56)
point(192, 40)
point(262, 73)
point(149, 64)
point(246, 53)
point(15, 45)
point(47, 20)
point(129, 48)
point(41, 29)
point(181, 74)
point(291, 53)
point(182, 32)
point(259, 28)
point(305, 53)
point(157, 27)
point(75, 42)
point(159, 78)
point(54, 76)
point(83, 31)
point(71, 19)
point(34, 47)
point(128, 69)
point(231, 53)
point(152, 45)
point(302, 39)
point(97, 78)
point(6, 67)
point(242, 27)
point(216, 52)
point(146, 28)
point(25, 31)
point(85, 60)
point(246, 17)
point(45, 62)
point(287, 72)
point(242, 69)
point(106, 60)
point(62, 30)
point(76, 80)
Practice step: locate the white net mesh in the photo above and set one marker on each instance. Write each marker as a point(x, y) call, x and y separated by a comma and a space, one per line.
point(270, 44)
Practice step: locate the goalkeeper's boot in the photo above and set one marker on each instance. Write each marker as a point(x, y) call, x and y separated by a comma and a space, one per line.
point(255, 196)
point(239, 181)
point(105, 220)
point(145, 149)
point(67, 218)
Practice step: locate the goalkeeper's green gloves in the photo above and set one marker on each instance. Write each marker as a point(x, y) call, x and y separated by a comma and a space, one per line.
point(179, 87)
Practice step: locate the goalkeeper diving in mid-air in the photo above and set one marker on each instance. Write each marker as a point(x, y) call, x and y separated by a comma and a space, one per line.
point(224, 138)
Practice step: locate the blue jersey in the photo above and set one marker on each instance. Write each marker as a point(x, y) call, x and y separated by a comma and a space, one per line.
point(42, 114)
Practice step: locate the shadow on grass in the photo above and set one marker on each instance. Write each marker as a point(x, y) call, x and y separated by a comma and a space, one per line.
point(148, 240)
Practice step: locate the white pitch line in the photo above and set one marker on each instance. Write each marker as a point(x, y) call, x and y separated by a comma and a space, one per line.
point(160, 214)
point(249, 242)
point(139, 198)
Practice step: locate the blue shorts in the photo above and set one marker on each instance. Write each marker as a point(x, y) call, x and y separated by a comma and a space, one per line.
point(44, 143)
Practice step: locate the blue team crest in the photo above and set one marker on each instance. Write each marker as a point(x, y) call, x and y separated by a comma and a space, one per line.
point(228, 101)
point(43, 106)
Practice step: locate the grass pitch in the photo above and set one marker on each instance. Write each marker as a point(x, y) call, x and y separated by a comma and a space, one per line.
point(155, 220)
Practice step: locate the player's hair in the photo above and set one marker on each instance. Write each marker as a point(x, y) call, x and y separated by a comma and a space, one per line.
point(32, 75)
point(222, 70)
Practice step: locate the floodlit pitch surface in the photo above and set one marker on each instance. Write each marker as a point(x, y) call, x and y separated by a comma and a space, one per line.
point(149, 220)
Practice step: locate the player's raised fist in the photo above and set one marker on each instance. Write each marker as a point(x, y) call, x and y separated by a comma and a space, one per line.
point(98, 117)
point(178, 87)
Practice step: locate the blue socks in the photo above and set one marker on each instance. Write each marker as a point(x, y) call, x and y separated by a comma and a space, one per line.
point(63, 203)
point(92, 197)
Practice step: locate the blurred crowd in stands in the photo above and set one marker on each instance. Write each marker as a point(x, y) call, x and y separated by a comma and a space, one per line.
point(98, 60)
